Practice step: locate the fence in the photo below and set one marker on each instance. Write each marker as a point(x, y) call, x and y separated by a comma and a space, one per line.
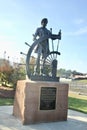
point(81, 88)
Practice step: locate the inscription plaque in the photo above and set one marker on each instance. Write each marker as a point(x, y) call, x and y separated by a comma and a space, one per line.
point(48, 98)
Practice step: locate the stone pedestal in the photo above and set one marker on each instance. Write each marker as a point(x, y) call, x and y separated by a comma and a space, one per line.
point(40, 101)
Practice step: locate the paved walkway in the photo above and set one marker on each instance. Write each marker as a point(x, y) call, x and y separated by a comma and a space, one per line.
point(76, 121)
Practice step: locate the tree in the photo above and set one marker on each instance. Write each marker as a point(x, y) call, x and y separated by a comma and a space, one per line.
point(64, 73)
point(19, 72)
point(5, 71)
point(68, 73)
point(11, 73)
point(61, 72)
point(5, 65)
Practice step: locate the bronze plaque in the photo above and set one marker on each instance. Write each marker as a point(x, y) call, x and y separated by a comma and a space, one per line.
point(48, 98)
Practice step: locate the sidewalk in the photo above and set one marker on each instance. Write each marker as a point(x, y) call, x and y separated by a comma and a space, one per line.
point(76, 121)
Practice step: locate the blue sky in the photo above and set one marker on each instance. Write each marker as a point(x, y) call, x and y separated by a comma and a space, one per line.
point(20, 18)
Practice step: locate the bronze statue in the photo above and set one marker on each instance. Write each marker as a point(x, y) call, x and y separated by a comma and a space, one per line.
point(45, 66)
point(43, 47)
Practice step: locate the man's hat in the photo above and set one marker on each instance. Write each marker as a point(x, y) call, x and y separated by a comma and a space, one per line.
point(44, 20)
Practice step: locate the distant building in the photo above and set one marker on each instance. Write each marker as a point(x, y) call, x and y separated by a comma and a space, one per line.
point(79, 76)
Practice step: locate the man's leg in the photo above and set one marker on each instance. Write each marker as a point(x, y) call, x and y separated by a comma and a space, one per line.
point(38, 60)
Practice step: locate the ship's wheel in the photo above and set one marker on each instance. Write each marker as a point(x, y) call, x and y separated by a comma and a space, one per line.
point(47, 66)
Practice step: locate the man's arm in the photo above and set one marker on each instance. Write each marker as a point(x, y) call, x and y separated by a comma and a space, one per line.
point(54, 36)
point(35, 35)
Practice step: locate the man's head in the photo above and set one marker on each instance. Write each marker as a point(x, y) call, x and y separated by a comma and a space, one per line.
point(44, 22)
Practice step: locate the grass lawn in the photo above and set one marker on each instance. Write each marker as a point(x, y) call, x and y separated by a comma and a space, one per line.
point(6, 101)
point(77, 102)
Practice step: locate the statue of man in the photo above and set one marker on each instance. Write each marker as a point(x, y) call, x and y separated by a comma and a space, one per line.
point(43, 31)
point(43, 47)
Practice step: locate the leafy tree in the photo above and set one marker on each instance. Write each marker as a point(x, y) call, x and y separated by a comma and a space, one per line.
point(19, 72)
point(61, 72)
point(11, 73)
point(68, 73)
point(32, 62)
point(5, 71)
point(76, 73)
point(64, 73)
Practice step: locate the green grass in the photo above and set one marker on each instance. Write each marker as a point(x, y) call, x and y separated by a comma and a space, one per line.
point(6, 101)
point(77, 104)
point(82, 81)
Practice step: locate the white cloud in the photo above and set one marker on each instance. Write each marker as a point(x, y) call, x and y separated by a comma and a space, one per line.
point(6, 37)
point(80, 31)
point(6, 24)
point(79, 21)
